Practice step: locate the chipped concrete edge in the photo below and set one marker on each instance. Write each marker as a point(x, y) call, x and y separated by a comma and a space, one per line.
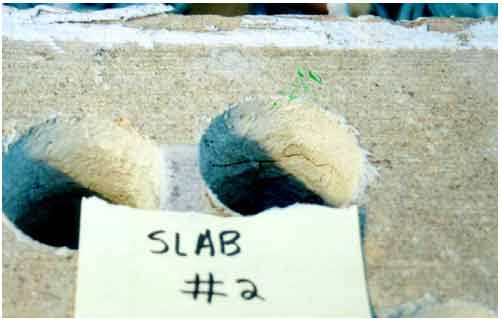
point(44, 14)
point(281, 31)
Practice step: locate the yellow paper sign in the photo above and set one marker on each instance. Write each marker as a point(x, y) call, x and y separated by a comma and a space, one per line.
point(304, 260)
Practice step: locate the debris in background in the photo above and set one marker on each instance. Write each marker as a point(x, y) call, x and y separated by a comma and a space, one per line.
point(393, 11)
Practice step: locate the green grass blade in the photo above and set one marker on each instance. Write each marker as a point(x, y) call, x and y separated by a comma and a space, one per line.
point(315, 77)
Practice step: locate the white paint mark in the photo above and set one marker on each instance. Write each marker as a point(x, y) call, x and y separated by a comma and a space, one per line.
point(285, 32)
point(44, 14)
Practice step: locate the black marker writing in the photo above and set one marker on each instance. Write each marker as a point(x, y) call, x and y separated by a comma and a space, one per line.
point(201, 243)
point(204, 243)
point(249, 294)
point(234, 236)
point(153, 237)
point(210, 287)
point(178, 251)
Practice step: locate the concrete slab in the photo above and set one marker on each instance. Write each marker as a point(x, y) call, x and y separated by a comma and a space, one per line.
point(427, 111)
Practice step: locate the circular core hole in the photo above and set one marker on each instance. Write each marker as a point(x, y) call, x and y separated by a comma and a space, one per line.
point(40, 200)
point(48, 171)
point(255, 156)
point(254, 182)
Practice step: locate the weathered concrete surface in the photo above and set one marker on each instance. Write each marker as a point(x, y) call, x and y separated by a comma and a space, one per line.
point(427, 115)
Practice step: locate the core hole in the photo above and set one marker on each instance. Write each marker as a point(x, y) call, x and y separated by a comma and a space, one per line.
point(39, 200)
point(243, 176)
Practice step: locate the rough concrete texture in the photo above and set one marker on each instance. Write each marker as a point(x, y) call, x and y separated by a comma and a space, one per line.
point(428, 116)
point(454, 308)
point(430, 306)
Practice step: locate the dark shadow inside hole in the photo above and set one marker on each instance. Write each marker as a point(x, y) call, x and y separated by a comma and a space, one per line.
point(264, 187)
point(40, 200)
point(54, 220)
point(244, 176)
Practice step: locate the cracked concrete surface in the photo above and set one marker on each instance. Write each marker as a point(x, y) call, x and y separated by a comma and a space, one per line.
point(259, 155)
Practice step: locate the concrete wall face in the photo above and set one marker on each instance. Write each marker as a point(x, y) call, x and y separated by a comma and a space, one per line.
point(427, 115)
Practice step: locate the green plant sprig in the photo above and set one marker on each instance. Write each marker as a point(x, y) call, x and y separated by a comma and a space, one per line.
point(302, 84)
